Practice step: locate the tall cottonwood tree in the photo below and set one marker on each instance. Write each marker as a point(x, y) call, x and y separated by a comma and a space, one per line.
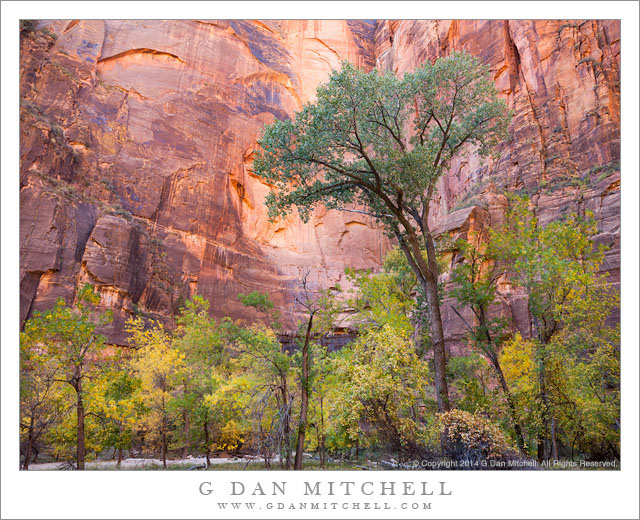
point(376, 144)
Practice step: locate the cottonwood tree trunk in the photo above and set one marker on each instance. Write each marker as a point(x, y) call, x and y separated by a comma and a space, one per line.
point(544, 437)
point(554, 441)
point(495, 363)
point(427, 275)
point(544, 444)
point(437, 331)
point(322, 436)
point(185, 448)
point(164, 448)
point(304, 399)
point(80, 451)
point(163, 439)
point(286, 426)
point(185, 422)
point(439, 352)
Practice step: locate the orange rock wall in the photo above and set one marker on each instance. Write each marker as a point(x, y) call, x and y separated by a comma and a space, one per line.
point(136, 141)
point(561, 78)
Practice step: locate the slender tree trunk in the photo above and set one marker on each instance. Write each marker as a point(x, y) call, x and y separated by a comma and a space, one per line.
point(164, 448)
point(28, 449)
point(185, 421)
point(322, 436)
point(544, 445)
point(304, 399)
point(493, 357)
point(437, 331)
point(554, 442)
point(206, 442)
point(80, 450)
point(164, 435)
point(119, 457)
point(510, 403)
point(286, 426)
point(185, 448)
point(439, 352)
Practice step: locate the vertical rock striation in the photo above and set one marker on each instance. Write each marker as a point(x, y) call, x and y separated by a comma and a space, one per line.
point(562, 81)
point(137, 140)
point(136, 146)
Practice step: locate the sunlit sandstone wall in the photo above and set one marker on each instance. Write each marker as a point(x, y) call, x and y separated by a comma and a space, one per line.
point(562, 81)
point(136, 141)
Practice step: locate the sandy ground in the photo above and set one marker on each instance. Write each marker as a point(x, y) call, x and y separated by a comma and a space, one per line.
point(139, 463)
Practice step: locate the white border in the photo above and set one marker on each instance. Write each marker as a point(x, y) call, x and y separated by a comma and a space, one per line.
point(174, 495)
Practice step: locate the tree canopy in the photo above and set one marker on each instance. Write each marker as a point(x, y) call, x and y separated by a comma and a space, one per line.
point(381, 141)
point(374, 143)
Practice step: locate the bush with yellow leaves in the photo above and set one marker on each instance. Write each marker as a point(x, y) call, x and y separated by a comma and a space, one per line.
point(474, 441)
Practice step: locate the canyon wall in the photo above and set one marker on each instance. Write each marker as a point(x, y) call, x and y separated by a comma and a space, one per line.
point(561, 78)
point(137, 140)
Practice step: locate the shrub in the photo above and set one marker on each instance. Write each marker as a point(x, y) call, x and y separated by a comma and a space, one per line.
point(473, 440)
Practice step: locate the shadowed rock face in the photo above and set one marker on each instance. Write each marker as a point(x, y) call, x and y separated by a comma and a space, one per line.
point(137, 139)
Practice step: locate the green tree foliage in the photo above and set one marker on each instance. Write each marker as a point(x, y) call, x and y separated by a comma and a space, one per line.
point(255, 398)
point(261, 382)
point(62, 346)
point(571, 377)
point(211, 387)
point(43, 402)
point(475, 286)
point(201, 340)
point(380, 300)
point(118, 398)
point(262, 303)
point(379, 142)
point(320, 311)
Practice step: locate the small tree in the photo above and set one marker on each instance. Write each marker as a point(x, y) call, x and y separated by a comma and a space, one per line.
point(376, 144)
point(381, 387)
point(475, 280)
point(322, 306)
point(201, 340)
point(119, 406)
point(67, 337)
point(42, 404)
point(569, 301)
point(263, 356)
point(159, 366)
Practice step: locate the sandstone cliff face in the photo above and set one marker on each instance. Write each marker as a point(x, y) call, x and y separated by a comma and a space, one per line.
point(137, 139)
point(136, 145)
point(562, 81)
